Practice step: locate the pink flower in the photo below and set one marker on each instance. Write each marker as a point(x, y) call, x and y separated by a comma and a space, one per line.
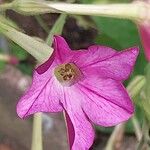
point(145, 38)
point(13, 60)
point(86, 85)
point(9, 59)
point(144, 27)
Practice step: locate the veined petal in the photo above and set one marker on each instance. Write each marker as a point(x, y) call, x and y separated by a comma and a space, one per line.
point(79, 128)
point(64, 53)
point(42, 96)
point(94, 54)
point(103, 60)
point(118, 66)
point(105, 101)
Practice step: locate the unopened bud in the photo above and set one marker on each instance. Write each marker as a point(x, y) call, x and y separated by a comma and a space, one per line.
point(13, 60)
point(144, 25)
point(9, 59)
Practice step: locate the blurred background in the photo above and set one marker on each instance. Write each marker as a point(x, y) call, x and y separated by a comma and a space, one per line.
point(15, 75)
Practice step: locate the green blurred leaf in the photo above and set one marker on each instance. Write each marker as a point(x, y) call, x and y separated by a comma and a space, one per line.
point(124, 32)
point(147, 86)
point(105, 39)
point(26, 68)
point(138, 114)
point(19, 52)
point(57, 28)
point(2, 65)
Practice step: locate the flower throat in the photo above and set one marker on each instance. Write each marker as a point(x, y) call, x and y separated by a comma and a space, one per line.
point(67, 74)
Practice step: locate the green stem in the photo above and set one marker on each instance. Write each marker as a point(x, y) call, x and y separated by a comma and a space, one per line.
point(57, 28)
point(135, 85)
point(137, 128)
point(108, 10)
point(37, 132)
point(133, 11)
point(141, 143)
point(145, 137)
point(4, 7)
point(42, 24)
point(118, 131)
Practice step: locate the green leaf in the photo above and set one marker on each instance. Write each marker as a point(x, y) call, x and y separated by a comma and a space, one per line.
point(40, 50)
point(26, 68)
point(104, 39)
point(19, 52)
point(57, 28)
point(2, 65)
point(147, 86)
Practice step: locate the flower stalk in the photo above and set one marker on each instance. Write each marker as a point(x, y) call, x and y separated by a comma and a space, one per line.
point(5, 6)
point(109, 10)
point(145, 95)
point(57, 28)
point(42, 24)
point(27, 7)
point(137, 128)
point(133, 11)
point(145, 140)
point(37, 132)
point(136, 85)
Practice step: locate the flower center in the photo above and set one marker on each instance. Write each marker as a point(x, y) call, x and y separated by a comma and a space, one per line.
point(67, 74)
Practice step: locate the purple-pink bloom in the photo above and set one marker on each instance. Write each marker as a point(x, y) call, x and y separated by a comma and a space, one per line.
point(144, 28)
point(145, 38)
point(86, 85)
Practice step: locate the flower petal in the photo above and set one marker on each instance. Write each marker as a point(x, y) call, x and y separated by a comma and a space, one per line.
point(145, 37)
point(93, 55)
point(62, 49)
point(105, 101)
point(103, 60)
point(117, 67)
point(70, 130)
point(42, 96)
point(78, 126)
point(47, 64)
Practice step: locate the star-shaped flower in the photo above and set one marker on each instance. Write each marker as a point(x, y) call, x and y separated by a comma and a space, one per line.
point(86, 85)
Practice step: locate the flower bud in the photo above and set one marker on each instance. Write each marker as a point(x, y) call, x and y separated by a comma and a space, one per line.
point(9, 59)
point(144, 25)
